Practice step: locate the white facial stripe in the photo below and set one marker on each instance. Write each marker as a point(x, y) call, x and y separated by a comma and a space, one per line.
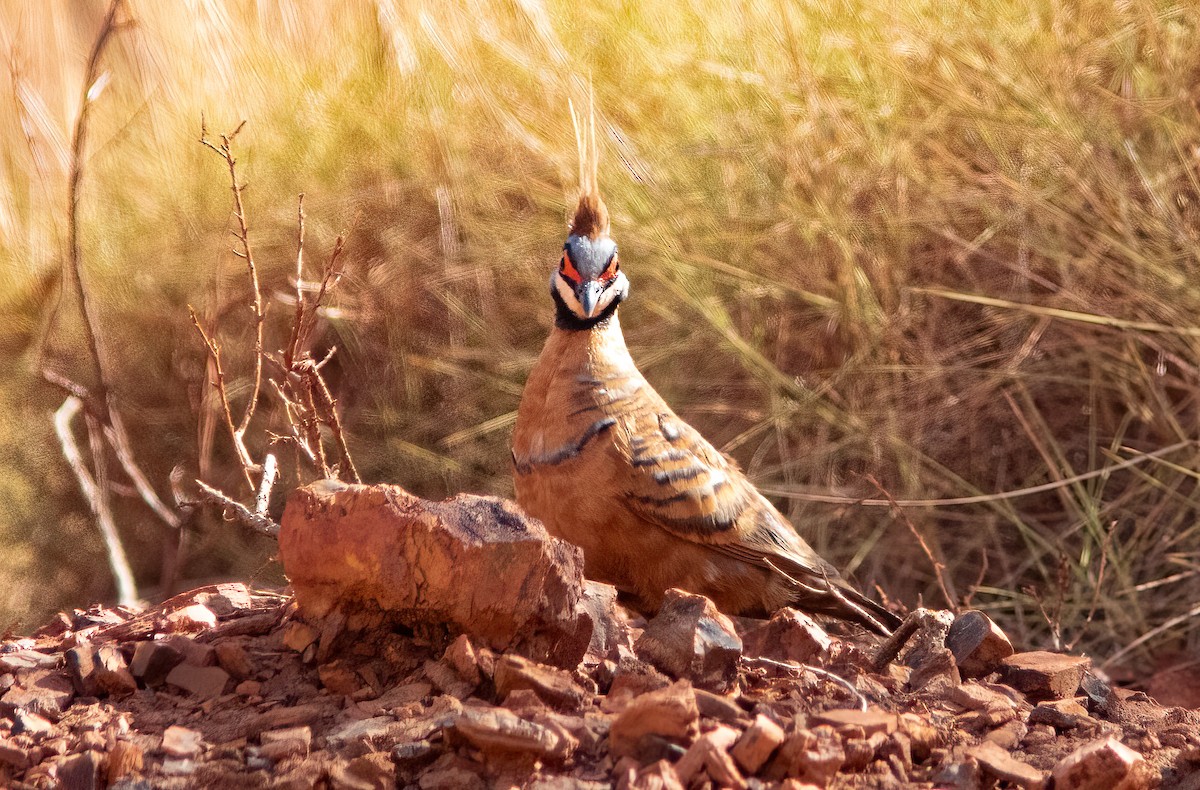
point(568, 296)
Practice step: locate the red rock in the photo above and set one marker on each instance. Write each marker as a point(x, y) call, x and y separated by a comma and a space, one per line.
point(460, 655)
point(302, 734)
point(112, 676)
point(868, 721)
point(124, 759)
point(669, 714)
point(809, 756)
point(501, 730)
point(44, 692)
point(1103, 765)
point(30, 723)
point(234, 659)
point(82, 666)
point(977, 643)
point(203, 682)
point(1042, 675)
point(609, 629)
point(1062, 714)
point(659, 775)
point(689, 638)
point(553, 686)
point(190, 619)
point(378, 548)
point(181, 742)
point(81, 771)
point(152, 661)
point(757, 744)
point(299, 635)
point(789, 635)
point(225, 599)
point(447, 680)
point(1000, 764)
point(709, 754)
point(197, 654)
point(719, 707)
point(13, 756)
point(339, 678)
point(368, 772)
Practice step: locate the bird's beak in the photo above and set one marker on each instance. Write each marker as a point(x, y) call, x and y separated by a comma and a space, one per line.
point(588, 294)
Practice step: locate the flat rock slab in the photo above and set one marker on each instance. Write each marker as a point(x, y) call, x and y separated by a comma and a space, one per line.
point(1042, 675)
point(479, 565)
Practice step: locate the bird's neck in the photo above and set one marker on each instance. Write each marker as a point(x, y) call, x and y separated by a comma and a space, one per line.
point(600, 347)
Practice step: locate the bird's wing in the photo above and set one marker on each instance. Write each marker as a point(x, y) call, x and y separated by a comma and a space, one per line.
point(680, 482)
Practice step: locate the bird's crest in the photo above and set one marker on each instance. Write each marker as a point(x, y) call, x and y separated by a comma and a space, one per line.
point(591, 215)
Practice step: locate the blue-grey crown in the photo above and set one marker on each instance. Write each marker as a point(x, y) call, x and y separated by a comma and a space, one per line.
point(590, 256)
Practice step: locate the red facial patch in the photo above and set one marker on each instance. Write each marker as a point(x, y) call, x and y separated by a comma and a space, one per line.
point(568, 270)
point(611, 270)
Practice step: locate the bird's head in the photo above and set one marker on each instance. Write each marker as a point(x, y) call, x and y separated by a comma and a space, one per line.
point(588, 283)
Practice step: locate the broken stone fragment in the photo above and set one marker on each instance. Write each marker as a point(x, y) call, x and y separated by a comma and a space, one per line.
point(1042, 675)
point(181, 742)
point(868, 721)
point(234, 659)
point(757, 744)
point(81, 771)
point(153, 660)
point(476, 564)
point(112, 675)
point(1003, 766)
point(553, 686)
point(808, 755)
point(689, 638)
point(790, 635)
point(190, 619)
point(709, 755)
point(1061, 714)
point(1103, 765)
point(460, 656)
point(977, 643)
point(609, 629)
point(44, 692)
point(501, 730)
point(82, 666)
point(668, 714)
point(203, 682)
point(125, 758)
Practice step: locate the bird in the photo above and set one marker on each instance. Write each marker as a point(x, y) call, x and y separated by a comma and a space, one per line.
point(602, 460)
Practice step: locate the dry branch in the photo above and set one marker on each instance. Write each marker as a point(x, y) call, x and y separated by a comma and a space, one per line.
point(97, 499)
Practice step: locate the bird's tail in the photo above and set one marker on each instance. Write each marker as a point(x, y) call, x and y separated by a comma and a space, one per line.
point(831, 595)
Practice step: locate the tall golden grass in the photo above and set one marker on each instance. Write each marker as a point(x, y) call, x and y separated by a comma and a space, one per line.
point(919, 251)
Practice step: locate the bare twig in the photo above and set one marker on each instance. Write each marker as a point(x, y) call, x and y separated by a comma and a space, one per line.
point(119, 440)
point(241, 513)
point(289, 356)
point(214, 352)
point(333, 420)
point(97, 500)
point(270, 468)
point(939, 568)
point(225, 151)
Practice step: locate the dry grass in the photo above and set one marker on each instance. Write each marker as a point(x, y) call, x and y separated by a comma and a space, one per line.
point(950, 249)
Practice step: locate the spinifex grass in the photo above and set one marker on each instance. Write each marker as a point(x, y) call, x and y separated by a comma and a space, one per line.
point(951, 248)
